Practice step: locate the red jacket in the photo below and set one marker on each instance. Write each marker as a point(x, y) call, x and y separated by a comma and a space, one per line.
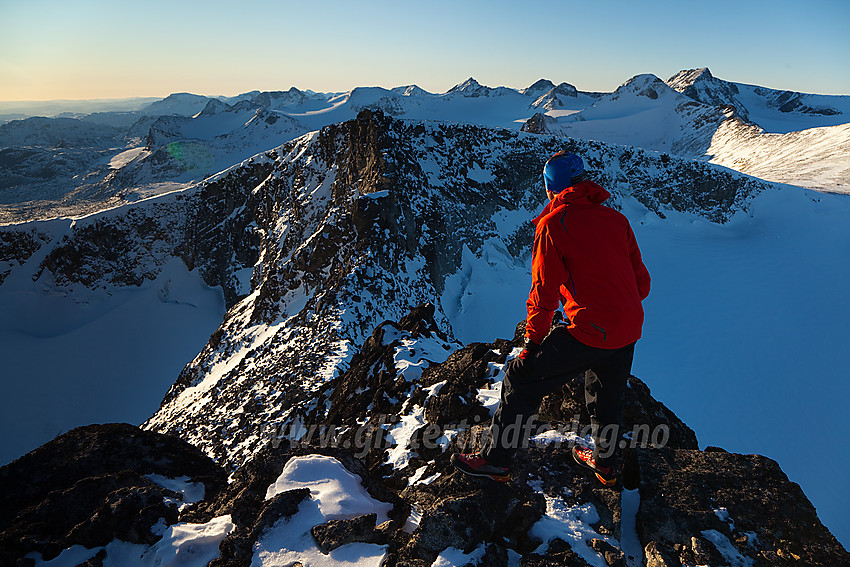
point(586, 256)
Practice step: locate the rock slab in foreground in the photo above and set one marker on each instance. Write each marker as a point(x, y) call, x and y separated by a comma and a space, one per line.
point(716, 508)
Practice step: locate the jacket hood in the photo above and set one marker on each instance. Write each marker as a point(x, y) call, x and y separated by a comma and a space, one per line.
point(582, 193)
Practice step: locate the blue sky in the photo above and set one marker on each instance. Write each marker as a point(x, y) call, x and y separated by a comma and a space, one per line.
point(53, 49)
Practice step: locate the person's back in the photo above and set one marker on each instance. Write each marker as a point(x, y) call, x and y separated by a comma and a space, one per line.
point(604, 278)
point(585, 257)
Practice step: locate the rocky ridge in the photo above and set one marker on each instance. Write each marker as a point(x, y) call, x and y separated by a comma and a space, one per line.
point(99, 484)
point(321, 246)
point(318, 241)
point(553, 98)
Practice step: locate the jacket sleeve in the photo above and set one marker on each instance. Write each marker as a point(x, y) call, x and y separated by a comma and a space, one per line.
point(548, 273)
point(641, 273)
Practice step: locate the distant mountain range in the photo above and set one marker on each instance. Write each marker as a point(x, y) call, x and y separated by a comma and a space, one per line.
point(780, 136)
point(67, 164)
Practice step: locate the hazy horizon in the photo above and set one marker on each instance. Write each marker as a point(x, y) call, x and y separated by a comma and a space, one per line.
point(58, 51)
point(307, 88)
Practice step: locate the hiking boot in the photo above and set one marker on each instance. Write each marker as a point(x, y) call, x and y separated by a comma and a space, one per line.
point(474, 464)
point(584, 457)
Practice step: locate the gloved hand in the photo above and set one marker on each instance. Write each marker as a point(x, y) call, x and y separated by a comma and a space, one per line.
point(520, 364)
point(529, 350)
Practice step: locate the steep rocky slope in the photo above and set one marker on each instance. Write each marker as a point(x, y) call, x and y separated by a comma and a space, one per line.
point(316, 245)
point(111, 493)
point(358, 222)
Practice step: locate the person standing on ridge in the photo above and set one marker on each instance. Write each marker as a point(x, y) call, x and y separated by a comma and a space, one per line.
point(585, 256)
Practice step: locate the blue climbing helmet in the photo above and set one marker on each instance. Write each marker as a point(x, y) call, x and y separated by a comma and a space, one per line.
point(562, 170)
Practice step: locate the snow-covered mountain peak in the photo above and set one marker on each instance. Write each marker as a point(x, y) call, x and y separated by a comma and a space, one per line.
point(183, 104)
point(472, 88)
point(213, 107)
point(554, 97)
point(539, 88)
point(377, 98)
point(775, 111)
point(411, 91)
point(687, 77)
point(468, 85)
point(646, 84)
point(280, 99)
point(702, 86)
point(565, 89)
point(359, 93)
point(644, 112)
point(243, 105)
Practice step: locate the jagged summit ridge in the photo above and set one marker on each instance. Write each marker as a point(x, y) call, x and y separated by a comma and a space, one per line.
point(554, 97)
point(212, 108)
point(411, 90)
point(471, 88)
point(700, 85)
point(279, 99)
point(688, 78)
point(371, 225)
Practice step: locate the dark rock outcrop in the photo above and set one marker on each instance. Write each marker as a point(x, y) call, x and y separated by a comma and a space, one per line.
point(336, 533)
point(17, 246)
point(89, 486)
point(559, 554)
point(540, 123)
point(237, 549)
point(708, 508)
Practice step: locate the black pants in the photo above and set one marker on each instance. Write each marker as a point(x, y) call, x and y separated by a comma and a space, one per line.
point(560, 358)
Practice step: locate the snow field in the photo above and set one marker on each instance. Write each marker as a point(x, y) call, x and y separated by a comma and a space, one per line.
point(75, 356)
point(120, 160)
point(815, 158)
point(750, 319)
